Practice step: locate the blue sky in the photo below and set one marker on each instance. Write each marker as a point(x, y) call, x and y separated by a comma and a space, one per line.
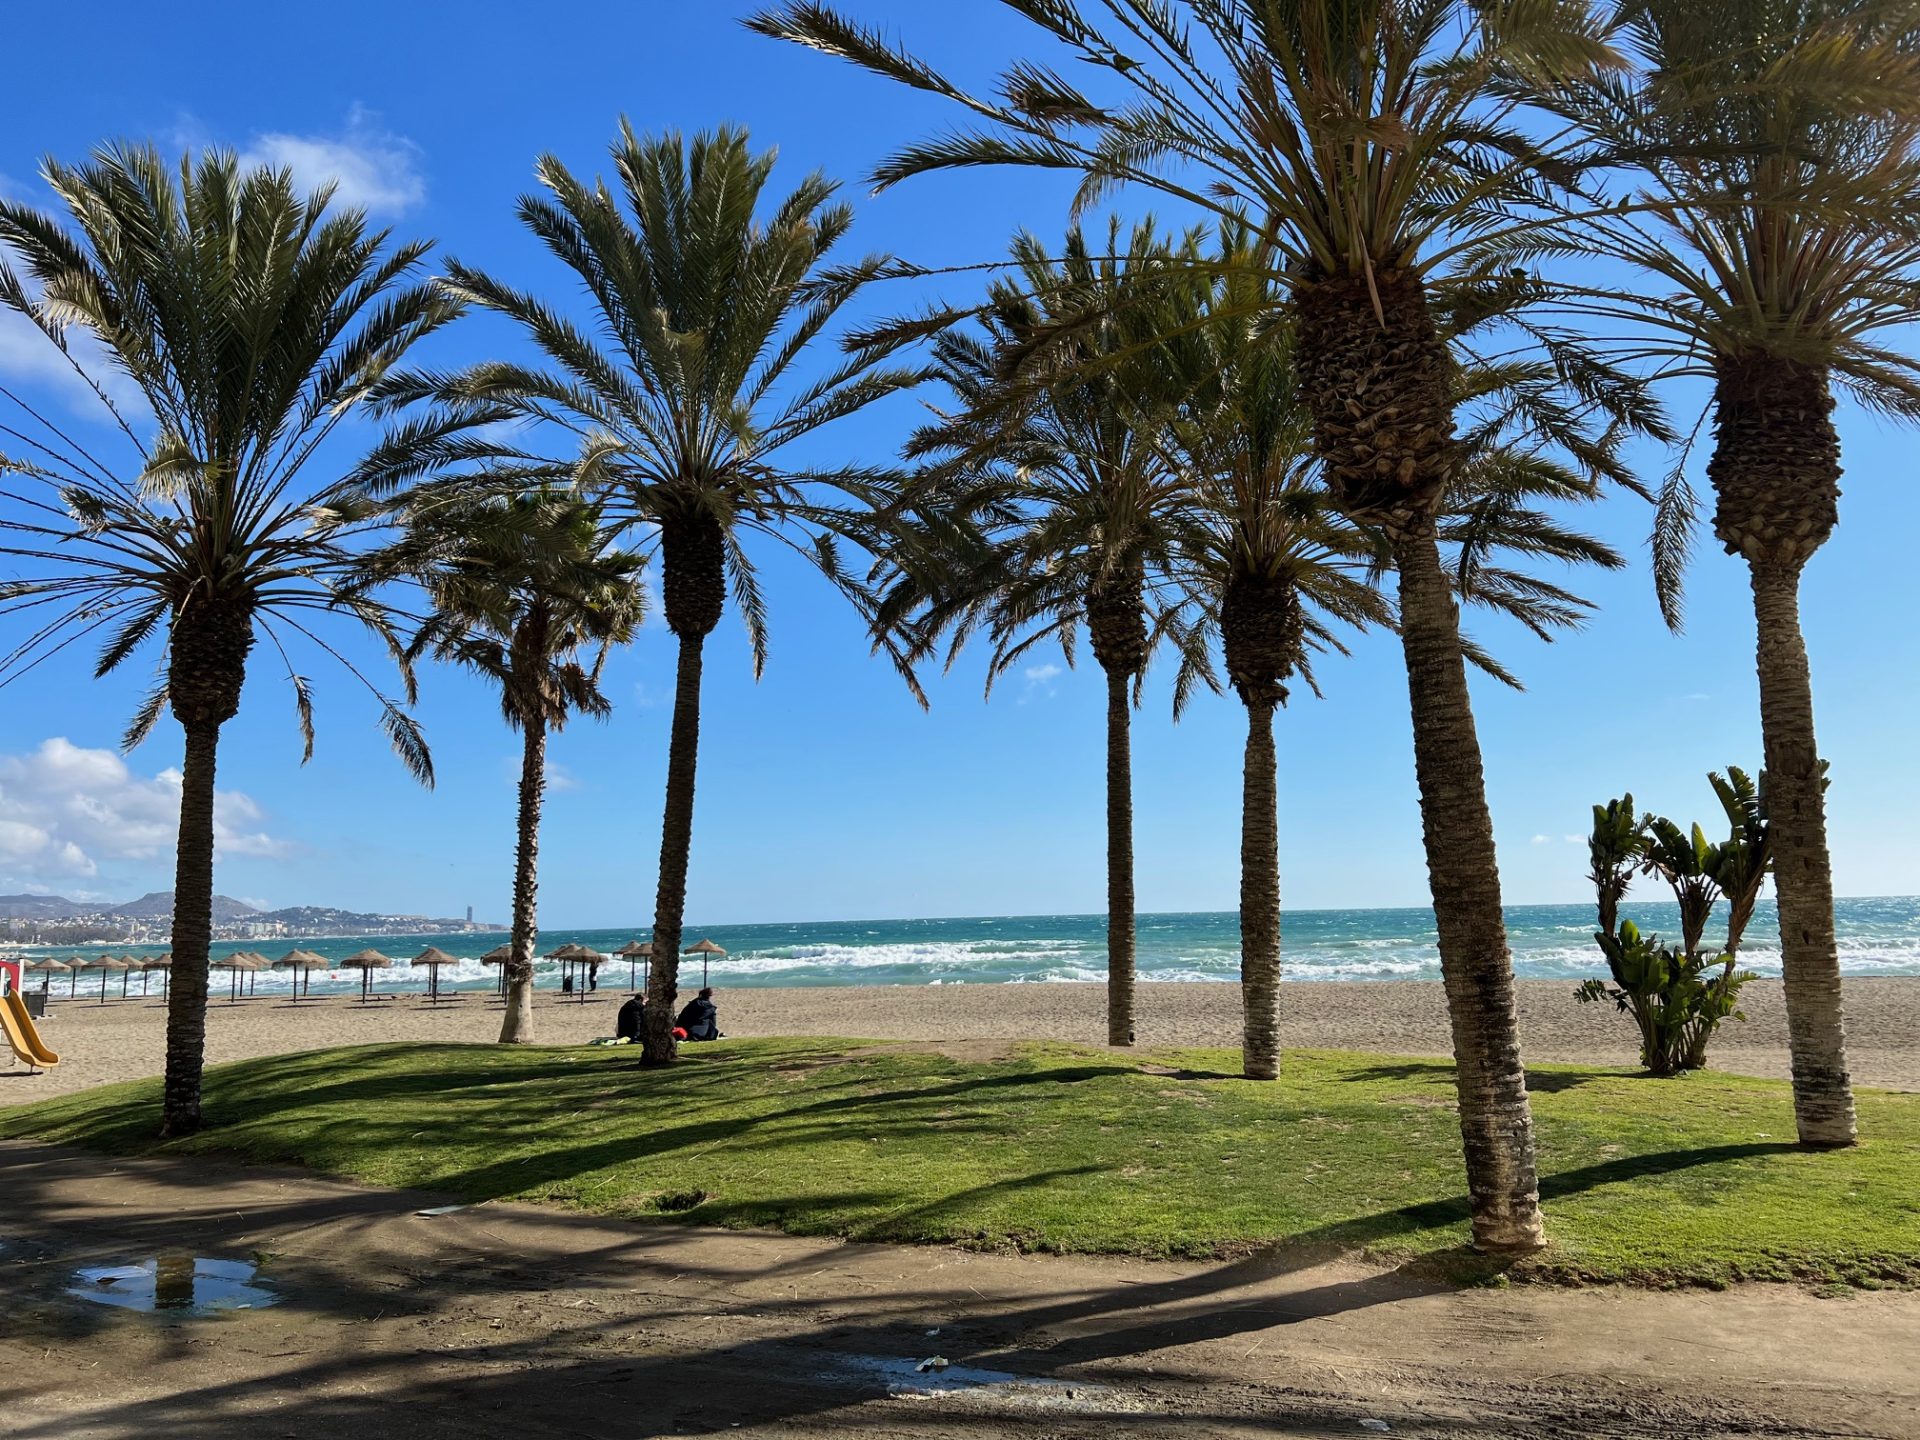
point(824, 792)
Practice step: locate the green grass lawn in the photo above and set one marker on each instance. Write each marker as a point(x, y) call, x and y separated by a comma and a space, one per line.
point(1059, 1148)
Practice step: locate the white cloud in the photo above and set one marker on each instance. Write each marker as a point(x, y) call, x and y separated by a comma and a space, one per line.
point(1040, 680)
point(370, 167)
point(64, 809)
point(28, 356)
point(1543, 840)
point(1574, 839)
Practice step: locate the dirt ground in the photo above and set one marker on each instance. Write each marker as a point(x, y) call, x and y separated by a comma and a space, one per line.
point(506, 1321)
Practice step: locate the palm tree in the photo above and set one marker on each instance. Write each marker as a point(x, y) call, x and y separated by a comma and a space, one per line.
point(251, 322)
point(683, 395)
point(1372, 139)
point(1276, 573)
point(1056, 455)
point(1771, 151)
point(520, 586)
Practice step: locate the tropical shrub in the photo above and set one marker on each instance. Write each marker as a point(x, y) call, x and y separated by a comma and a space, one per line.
point(1678, 994)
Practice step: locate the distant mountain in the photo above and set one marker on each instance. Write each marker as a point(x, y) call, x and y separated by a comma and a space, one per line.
point(40, 907)
point(158, 905)
point(63, 921)
point(320, 918)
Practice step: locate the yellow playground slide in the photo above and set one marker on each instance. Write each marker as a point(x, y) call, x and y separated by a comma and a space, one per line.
point(22, 1035)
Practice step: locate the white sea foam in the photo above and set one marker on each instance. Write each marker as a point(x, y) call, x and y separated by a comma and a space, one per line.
point(1876, 938)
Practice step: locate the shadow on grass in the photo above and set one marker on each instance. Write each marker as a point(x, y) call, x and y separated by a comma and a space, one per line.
point(1175, 1072)
point(1440, 1072)
point(528, 1104)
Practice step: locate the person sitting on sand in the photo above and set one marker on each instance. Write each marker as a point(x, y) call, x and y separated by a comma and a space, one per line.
point(631, 1023)
point(700, 1019)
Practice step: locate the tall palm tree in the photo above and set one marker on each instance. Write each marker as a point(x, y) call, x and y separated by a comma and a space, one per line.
point(1772, 162)
point(519, 587)
point(1057, 455)
point(683, 393)
point(251, 321)
point(1372, 137)
point(1276, 573)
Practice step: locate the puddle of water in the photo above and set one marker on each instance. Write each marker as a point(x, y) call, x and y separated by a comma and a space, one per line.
point(973, 1386)
point(902, 1376)
point(175, 1282)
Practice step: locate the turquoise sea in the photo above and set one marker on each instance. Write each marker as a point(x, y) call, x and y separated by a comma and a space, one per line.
point(1877, 937)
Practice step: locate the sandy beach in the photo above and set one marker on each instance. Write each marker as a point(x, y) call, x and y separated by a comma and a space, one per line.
point(122, 1040)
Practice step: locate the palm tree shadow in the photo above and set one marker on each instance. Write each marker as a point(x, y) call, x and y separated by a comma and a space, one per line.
point(1180, 1072)
point(1441, 1072)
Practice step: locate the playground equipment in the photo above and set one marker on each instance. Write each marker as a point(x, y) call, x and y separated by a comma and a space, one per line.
point(23, 1038)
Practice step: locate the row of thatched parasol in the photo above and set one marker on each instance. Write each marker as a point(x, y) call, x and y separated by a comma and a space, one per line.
point(581, 956)
point(103, 965)
point(574, 959)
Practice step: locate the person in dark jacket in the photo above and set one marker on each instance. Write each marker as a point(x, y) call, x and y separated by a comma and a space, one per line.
point(632, 1021)
point(700, 1019)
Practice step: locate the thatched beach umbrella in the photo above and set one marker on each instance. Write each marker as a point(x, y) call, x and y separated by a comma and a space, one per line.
point(47, 966)
point(433, 958)
point(256, 963)
point(366, 962)
point(634, 951)
point(161, 963)
point(571, 956)
point(706, 950)
point(302, 963)
point(116, 965)
point(237, 964)
point(105, 965)
point(499, 955)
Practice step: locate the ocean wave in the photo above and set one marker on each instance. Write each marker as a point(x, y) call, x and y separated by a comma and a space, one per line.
point(1879, 937)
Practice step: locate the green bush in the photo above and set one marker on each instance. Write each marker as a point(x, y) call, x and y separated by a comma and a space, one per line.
point(1678, 995)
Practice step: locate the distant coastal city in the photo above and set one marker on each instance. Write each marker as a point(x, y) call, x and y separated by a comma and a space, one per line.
point(31, 920)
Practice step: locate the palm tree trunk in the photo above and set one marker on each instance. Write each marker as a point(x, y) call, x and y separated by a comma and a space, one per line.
point(1260, 899)
point(1496, 1121)
point(1374, 373)
point(192, 934)
point(516, 1026)
point(1120, 920)
point(1803, 869)
point(676, 842)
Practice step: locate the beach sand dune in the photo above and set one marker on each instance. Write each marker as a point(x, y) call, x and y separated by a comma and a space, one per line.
point(123, 1040)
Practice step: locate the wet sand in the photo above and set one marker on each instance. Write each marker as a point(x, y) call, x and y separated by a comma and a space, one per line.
point(122, 1040)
